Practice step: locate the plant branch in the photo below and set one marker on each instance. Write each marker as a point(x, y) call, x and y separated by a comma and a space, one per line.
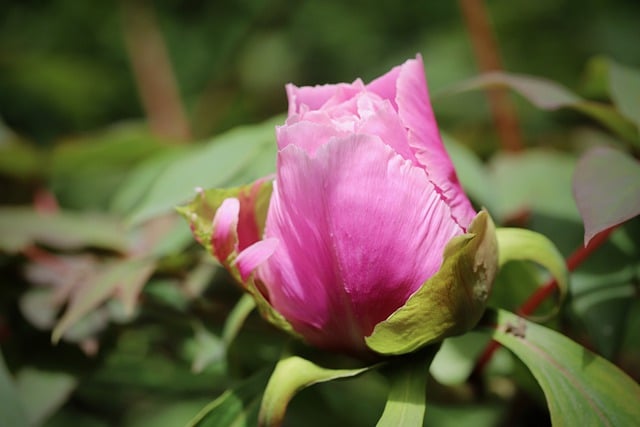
point(487, 55)
point(152, 71)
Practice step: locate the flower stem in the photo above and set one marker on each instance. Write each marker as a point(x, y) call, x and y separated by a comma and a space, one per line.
point(540, 295)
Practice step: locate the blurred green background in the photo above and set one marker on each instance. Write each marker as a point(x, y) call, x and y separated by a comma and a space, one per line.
point(64, 67)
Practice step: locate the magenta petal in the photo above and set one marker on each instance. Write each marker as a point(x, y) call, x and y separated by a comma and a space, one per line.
point(360, 229)
point(224, 236)
point(250, 258)
point(416, 113)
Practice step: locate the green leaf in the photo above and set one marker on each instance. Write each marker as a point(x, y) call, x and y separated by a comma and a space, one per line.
point(606, 187)
point(549, 95)
point(536, 180)
point(292, 374)
point(526, 245)
point(624, 84)
point(42, 392)
point(581, 387)
point(472, 173)
point(236, 318)
point(119, 276)
point(12, 413)
point(234, 158)
point(21, 227)
point(407, 399)
point(449, 303)
point(236, 407)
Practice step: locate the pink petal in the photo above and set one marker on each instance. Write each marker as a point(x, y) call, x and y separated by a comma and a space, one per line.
point(250, 258)
point(417, 115)
point(360, 229)
point(310, 98)
point(306, 134)
point(224, 236)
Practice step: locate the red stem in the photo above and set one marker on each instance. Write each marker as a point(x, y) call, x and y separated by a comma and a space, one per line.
point(540, 295)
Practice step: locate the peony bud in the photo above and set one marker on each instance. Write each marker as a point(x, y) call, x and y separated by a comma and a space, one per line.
point(369, 242)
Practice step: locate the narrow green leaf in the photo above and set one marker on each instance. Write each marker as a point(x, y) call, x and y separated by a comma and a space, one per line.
point(581, 387)
point(606, 187)
point(407, 394)
point(236, 318)
point(549, 95)
point(236, 407)
point(291, 375)
point(12, 413)
point(450, 302)
point(526, 245)
point(22, 226)
point(624, 83)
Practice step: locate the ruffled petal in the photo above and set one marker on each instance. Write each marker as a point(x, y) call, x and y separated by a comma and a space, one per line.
point(224, 235)
point(414, 108)
point(310, 98)
point(360, 229)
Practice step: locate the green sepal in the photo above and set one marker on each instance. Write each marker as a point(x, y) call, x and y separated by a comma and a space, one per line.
point(292, 374)
point(452, 301)
point(200, 213)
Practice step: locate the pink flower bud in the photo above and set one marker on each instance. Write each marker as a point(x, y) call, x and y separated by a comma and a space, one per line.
point(364, 203)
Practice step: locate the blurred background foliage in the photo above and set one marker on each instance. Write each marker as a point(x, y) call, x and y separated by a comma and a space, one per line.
point(113, 112)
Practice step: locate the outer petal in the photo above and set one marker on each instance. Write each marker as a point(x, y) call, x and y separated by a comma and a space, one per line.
point(414, 108)
point(360, 229)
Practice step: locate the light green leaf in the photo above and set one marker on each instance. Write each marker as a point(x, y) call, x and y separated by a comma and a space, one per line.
point(582, 388)
point(624, 84)
point(451, 302)
point(42, 393)
point(606, 187)
point(236, 407)
point(12, 412)
point(125, 275)
point(536, 180)
point(23, 226)
point(526, 245)
point(472, 173)
point(549, 95)
point(234, 158)
point(407, 399)
point(292, 374)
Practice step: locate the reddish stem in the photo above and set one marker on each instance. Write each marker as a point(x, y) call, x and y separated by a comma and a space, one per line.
point(540, 295)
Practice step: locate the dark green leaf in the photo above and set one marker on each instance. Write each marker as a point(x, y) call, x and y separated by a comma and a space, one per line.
point(12, 412)
point(236, 407)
